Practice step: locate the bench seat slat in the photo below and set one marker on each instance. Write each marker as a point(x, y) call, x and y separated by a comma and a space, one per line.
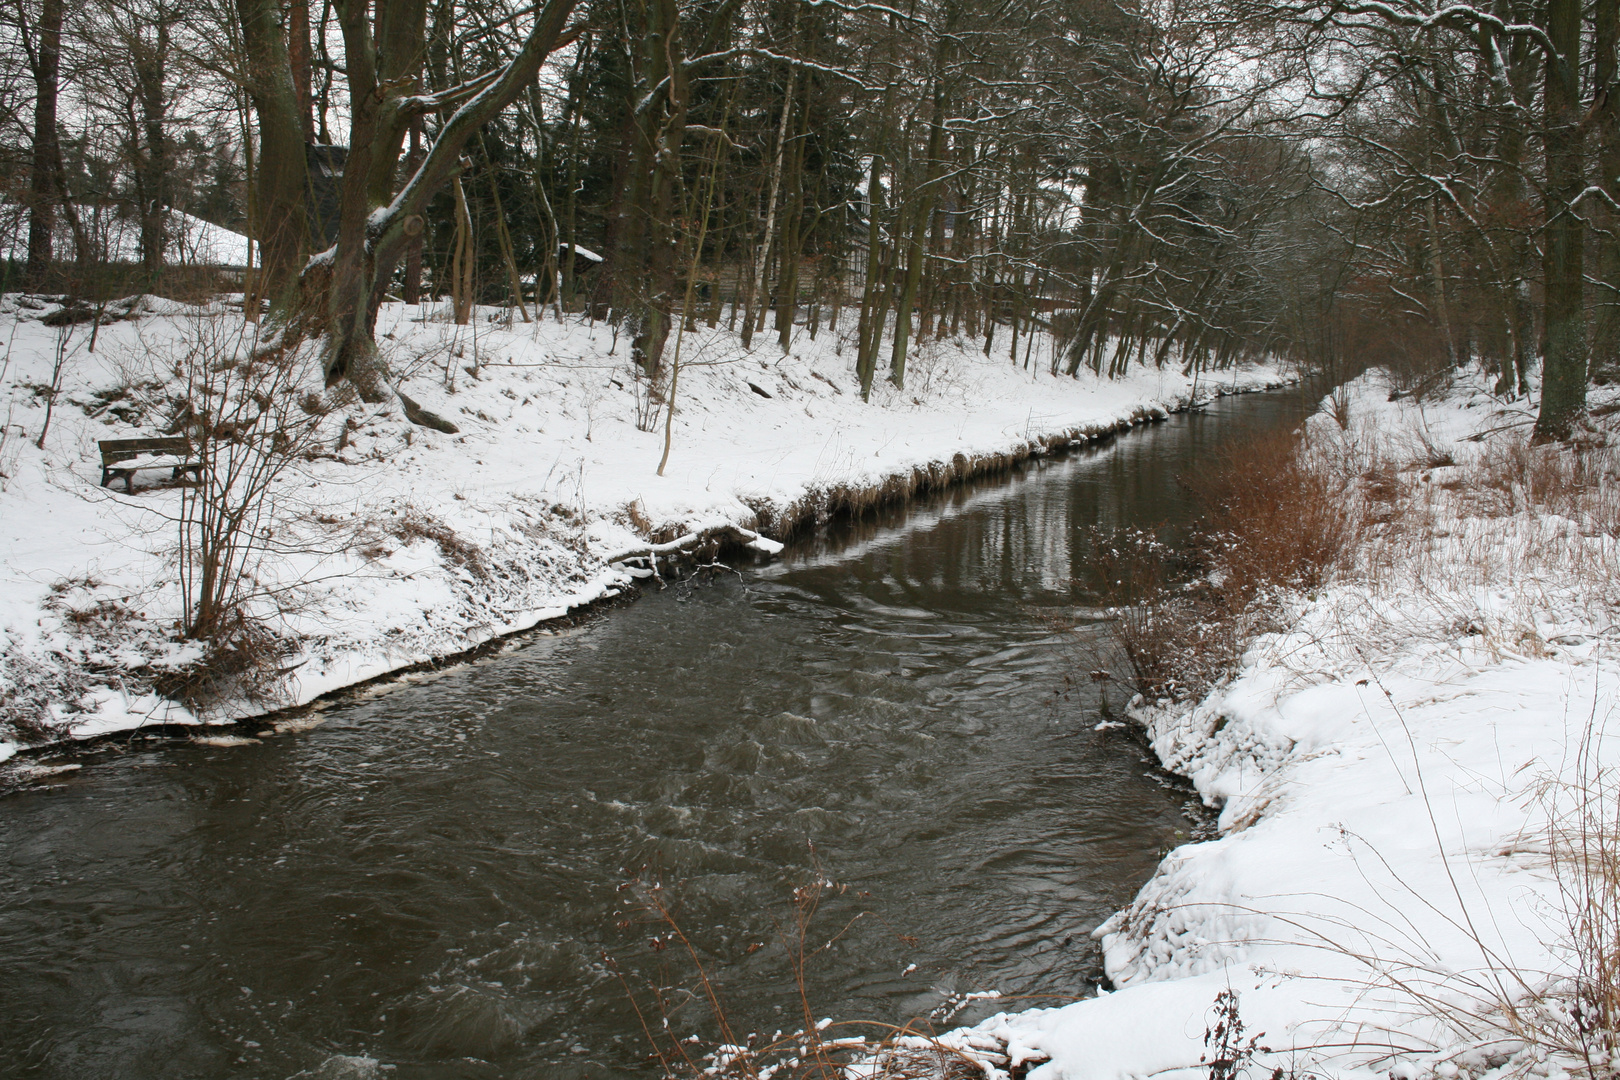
point(119, 449)
point(151, 461)
point(124, 457)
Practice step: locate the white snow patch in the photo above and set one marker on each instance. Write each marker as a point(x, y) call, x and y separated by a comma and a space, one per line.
point(403, 544)
point(1382, 884)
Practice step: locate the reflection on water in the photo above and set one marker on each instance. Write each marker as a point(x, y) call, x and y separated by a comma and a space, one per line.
point(432, 877)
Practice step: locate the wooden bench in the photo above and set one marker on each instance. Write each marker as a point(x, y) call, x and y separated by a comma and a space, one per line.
point(123, 457)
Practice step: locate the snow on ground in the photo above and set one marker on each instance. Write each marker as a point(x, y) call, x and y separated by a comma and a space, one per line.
point(396, 544)
point(1381, 896)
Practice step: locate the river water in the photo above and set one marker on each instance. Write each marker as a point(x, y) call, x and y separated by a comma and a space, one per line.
point(436, 877)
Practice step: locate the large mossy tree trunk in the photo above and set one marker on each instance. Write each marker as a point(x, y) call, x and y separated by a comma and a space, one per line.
point(281, 226)
point(1563, 373)
point(375, 226)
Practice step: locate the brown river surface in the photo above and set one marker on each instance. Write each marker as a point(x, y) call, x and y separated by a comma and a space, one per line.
point(432, 878)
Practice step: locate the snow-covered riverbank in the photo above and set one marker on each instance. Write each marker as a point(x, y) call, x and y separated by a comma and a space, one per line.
point(396, 544)
point(1396, 767)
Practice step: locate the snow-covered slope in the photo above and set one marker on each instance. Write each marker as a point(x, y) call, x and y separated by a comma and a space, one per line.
point(399, 544)
point(1382, 898)
point(191, 241)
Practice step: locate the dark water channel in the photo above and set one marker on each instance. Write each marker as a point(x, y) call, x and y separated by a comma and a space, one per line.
point(432, 877)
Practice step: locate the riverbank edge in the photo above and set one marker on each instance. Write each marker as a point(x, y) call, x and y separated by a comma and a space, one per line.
point(811, 515)
point(1200, 939)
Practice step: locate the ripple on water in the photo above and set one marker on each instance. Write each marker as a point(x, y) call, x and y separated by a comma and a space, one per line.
point(432, 878)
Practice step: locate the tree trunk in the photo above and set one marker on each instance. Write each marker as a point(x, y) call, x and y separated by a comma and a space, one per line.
point(461, 263)
point(662, 133)
point(1438, 272)
point(150, 70)
point(45, 184)
point(915, 249)
point(1606, 114)
point(298, 62)
point(792, 250)
point(282, 172)
point(367, 241)
point(504, 237)
point(932, 273)
point(866, 349)
point(908, 296)
point(757, 292)
point(1563, 372)
point(413, 248)
point(691, 282)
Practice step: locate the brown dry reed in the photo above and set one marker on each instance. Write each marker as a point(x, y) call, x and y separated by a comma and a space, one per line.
point(1274, 519)
point(1405, 516)
point(816, 1050)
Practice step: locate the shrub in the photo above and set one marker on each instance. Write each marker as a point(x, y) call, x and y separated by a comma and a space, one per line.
point(1168, 626)
point(1273, 520)
point(242, 411)
point(243, 660)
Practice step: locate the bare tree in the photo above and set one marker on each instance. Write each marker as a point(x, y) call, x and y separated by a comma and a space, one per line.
point(46, 188)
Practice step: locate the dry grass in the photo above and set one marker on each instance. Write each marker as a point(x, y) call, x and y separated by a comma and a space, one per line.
point(1583, 806)
point(242, 661)
point(1496, 1014)
point(415, 524)
point(1494, 541)
point(636, 518)
point(1275, 520)
point(1339, 404)
point(1579, 483)
point(816, 1050)
point(1492, 545)
point(1482, 545)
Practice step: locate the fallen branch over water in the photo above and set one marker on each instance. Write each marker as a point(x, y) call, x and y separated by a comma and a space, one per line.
point(727, 536)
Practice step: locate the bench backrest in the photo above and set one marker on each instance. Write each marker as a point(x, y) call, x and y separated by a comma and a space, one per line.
point(119, 449)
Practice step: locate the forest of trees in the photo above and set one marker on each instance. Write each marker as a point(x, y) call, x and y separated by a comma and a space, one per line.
point(1152, 181)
